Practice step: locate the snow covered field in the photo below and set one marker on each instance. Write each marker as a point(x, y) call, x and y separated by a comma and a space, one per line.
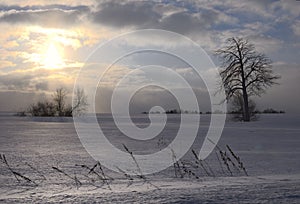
point(48, 152)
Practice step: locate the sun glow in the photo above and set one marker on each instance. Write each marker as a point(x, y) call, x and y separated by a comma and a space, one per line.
point(53, 58)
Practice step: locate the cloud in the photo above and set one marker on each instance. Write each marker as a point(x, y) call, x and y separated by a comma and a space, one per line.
point(43, 86)
point(265, 43)
point(254, 33)
point(14, 82)
point(6, 64)
point(48, 16)
point(141, 14)
point(5, 7)
point(290, 7)
point(185, 23)
point(243, 7)
point(18, 84)
point(33, 80)
point(296, 28)
point(117, 14)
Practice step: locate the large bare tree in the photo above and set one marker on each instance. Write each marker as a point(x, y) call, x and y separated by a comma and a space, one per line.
point(244, 71)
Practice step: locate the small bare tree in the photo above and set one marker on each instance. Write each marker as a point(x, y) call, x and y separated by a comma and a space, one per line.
point(245, 71)
point(80, 103)
point(59, 98)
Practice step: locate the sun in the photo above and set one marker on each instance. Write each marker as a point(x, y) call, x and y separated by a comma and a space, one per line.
point(53, 58)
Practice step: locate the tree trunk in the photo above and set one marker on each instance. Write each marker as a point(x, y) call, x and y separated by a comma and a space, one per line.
point(246, 114)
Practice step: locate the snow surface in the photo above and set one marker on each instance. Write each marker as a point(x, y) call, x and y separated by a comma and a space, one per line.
point(269, 149)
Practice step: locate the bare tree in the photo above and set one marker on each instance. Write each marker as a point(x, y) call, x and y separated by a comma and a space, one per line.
point(244, 71)
point(80, 103)
point(59, 99)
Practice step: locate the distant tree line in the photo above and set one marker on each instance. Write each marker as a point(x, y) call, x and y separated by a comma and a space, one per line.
point(235, 110)
point(173, 111)
point(176, 111)
point(271, 110)
point(58, 106)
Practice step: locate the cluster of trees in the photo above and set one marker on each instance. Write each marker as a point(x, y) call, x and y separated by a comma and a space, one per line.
point(58, 106)
point(245, 73)
point(271, 110)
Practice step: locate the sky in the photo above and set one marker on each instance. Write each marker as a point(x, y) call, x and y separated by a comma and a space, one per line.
point(45, 44)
